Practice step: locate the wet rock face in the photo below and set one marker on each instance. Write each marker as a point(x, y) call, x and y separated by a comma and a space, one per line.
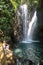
point(41, 3)
point(40, 24)
point(18, 26)
point(39, 29)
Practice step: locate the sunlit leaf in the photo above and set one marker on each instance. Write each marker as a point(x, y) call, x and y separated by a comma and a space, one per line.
point(14, 4)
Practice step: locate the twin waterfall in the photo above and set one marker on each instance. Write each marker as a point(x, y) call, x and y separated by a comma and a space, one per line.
point(29, 23)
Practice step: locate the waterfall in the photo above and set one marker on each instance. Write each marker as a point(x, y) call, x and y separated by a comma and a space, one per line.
point(32, 25)
point(24, 19)
point(29, 23)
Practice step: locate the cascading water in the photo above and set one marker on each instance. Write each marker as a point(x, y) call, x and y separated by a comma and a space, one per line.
point(24, 19)
point(32, 26)
point(28, 25)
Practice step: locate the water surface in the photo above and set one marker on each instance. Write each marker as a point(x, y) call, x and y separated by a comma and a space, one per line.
point(32, 51)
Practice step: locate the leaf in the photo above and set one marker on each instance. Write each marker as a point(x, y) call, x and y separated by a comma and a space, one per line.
point(14, 4)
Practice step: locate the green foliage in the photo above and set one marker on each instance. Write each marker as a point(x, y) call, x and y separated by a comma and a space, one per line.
point(6, 18)
point(33, 2)
point(14, 4)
